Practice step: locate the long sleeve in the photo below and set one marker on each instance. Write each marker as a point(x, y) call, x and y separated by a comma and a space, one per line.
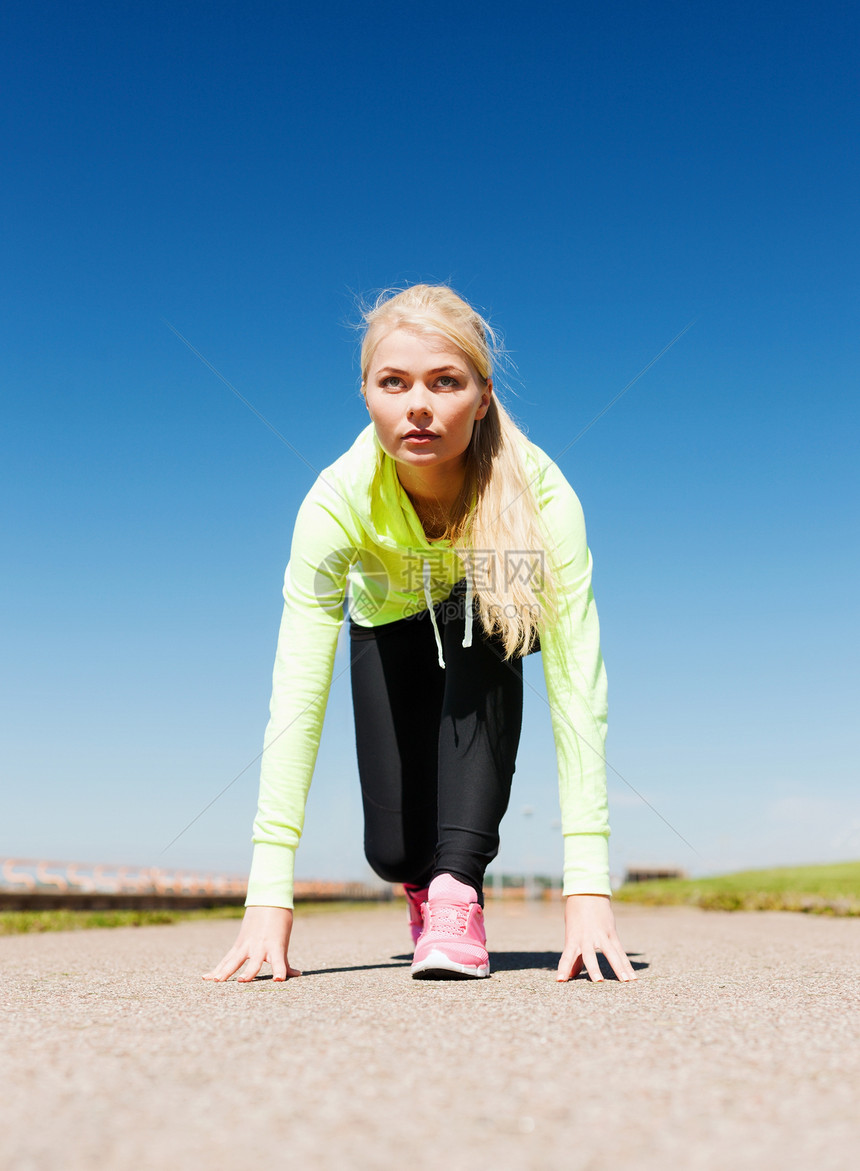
point(314, 591)
point(577, 693)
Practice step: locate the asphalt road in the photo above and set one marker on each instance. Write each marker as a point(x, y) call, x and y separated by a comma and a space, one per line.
point(738, 1047)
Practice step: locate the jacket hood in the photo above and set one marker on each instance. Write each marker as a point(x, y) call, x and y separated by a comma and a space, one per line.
point(369, 477)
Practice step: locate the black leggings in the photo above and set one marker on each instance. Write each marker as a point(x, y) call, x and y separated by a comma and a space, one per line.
point(436, 747)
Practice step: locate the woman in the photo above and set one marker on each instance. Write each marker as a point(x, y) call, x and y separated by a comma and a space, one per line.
point(462, 548)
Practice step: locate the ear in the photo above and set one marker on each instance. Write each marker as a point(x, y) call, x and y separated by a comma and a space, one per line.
point(486, 398)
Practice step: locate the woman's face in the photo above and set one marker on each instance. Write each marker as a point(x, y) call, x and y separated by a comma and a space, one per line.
point(424, 396)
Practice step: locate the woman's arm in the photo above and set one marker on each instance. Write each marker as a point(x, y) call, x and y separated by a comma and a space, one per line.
point(576, 690)
point(314, 591)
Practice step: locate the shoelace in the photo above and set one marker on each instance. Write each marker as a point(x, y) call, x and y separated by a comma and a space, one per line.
point(447, 918)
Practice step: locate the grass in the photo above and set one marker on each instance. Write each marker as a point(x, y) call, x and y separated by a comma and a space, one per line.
point(26, 922)
point(820, 890)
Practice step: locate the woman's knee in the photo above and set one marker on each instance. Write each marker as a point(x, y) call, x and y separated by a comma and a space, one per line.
point(397, 865)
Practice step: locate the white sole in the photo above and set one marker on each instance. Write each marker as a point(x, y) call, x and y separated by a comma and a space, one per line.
point(436, 965)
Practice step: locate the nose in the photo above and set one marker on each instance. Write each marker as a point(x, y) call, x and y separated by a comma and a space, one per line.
point(418, 405)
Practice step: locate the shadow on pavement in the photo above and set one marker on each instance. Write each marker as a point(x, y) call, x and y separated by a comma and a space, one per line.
point(520, 961)
point(407, 962)
point(500, 961)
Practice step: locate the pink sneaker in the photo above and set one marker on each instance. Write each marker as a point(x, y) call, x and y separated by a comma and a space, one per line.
point(416, 896)
point(453, 943)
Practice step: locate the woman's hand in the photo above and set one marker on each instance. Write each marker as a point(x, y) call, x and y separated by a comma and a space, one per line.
point(589, 924)
point(264, 935)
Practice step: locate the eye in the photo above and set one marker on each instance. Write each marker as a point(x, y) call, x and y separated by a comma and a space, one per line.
point(391, 382)
point(447, 381)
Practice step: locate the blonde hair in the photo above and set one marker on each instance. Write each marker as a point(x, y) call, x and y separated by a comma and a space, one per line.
point(495, 525)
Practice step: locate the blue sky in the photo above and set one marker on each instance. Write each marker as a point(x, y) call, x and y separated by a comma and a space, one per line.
point(595, 179)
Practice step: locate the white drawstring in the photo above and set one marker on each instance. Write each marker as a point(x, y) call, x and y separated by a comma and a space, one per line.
point(428, 598)
point(467, 633)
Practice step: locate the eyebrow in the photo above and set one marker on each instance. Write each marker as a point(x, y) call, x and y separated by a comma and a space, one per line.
point(435, 370)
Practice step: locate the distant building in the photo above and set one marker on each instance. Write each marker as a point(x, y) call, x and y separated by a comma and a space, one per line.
point(650, 873)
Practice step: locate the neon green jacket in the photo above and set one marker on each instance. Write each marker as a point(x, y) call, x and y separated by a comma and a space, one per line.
point(357, 531)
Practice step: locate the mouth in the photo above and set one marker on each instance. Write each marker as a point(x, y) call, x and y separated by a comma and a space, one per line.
point(420, 435)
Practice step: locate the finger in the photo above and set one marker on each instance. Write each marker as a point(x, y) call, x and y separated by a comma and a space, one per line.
point(286, 973)
point(614, 951)
point(589, 958)
point(618, 961)
point(621, 965)
point(569, 965)
point(231, 963)
point(252, 970)
point(281, 970)
point(215, 973)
